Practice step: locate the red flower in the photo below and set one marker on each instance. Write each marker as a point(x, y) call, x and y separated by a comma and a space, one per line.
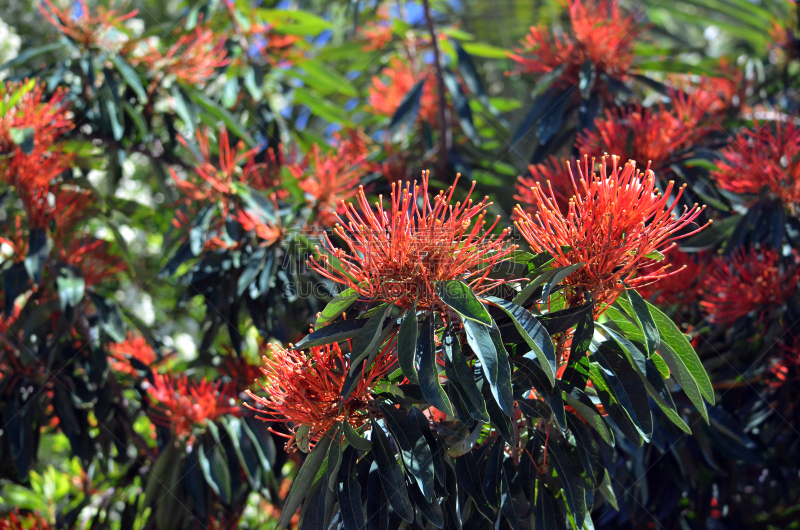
point(182, 403)
point(613, 226)
point(600, 35)
point(305, 388)
point(397, 255)
point(13, 521)
point(331, 178)
point(549, 173)
point(64, 206)
point(192, 59)
point(763, 157)
point(377, 33)
point(749, 283)
point(384, 98)
point(90, 256)
point(48, 120)
point(79, 24)
point(682, 287)
point(268, 233)
point(710, 95)
point(134, 347)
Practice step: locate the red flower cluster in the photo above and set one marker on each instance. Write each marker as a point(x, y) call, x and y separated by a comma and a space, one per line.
point(600, 34)
point(397, 255)
point(134, 347)
point(377, 33)
point(182, 403)
point(614, 225)
point(46, 121)
point(750, 283)
point(550, 173)
point(192, 59)
point(763, 157)
point(684, 285)
point(305, 389)
point(13, 521)
point(385, 97)
point(80, 25)
point(329, 179)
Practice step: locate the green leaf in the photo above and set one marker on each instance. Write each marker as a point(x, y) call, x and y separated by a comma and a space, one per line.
point(559, 275)
point(355, 439)
point(199, 231)
point(407, 345)
point(349, 493)
point(577, 370)
point(391, 474)
point(505, 395)
point(130, 76)
point(571, 480)
point(295, 22)
point(428, 368)
point(305, 478)
point(110, 316)
point(534, 334)
point(221, 113)
point(460, 298)
point(577, 399)
point(547, 513)
point(326, 80)
point(480, 339)
point(369, 339)
point(459, 372)
point(532, 371)
point(183, 108)
point(37, 254)
point(414, 448)
point(71, 287)
point(480, 49)
point(607, 491)
point(336, 332)
point(406, 114)
point(23, 138)
point(30, 54)
point(215, 471)
point(469, 479)
point(321, 108)
point(337, 306)
point(644, 319)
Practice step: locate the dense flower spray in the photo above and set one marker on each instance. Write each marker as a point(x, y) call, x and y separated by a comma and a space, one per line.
point(397, 255)
point(616, 223)
point(764, 157)
point(135, 348)
point(385, 97)
point(181, 403)
point(305, 388)
point(81, 25)
point(14, 521)
point(550, 172)
point(600, 34)
point(192, 59)
point(750, 283)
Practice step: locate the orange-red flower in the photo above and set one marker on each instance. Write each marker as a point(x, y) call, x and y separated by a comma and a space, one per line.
point(377, 33)
point(14, 521)
point(268, 233)
point(47, 120)
point(79, 24)
point(548, 173)
point(181, 403)
point(601, 35)
point(305, 388)
point(749, 283)
point(616, 221)
point(91, 257)
point(681, 288)
point(192, 59)
point(62, 205)
point(764, 157)
point(385, 97)
point(397, 255)
point(332, 177)
point(134, 347)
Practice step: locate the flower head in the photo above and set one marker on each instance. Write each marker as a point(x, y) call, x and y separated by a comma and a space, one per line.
point(385, 97)
point(14, 521)
point(134, 348)
point(192, 59)
point(305, 388)
point(79, 24)
point(397, 255)
point(91, 257)
point(615, 223)
point(750, 282)
point(182, 403)
point(682, 287)
point(377, 33)
point(764, 157)
point(550, 172)
point(600, 35)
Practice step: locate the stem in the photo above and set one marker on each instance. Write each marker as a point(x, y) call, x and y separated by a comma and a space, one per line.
point(445, 138)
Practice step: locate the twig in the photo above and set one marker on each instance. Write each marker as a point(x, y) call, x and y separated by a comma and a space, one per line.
point(445, 138)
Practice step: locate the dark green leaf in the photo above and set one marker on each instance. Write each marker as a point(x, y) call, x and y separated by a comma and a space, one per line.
point(511, 509)
point(460, 298)
point(71, 287)
point(369, 339)
point(413, 446)
point(305, 478)
point(577, 371)
point(355, 439)
point(337, 306)
point(491, 477)
point(199, 231)
point(588, 449)
point(561, 321)
point(644, 319)
point(23, 138)
point(37, 254)
point(461, 104)
point(464, 376)
point(504, 391)
point(428, 368)
point(30, 54)
point(571, 480)
point(546, 512)
point(531, 370)
point(498, 418)
point(430, 509)
point(406, 114)
point(130, 76)
point(391, 474)
point(349, 493)
point(557, 277)
point(15, 280)
point(336, 332)
point(469, 478)
point(407, 345)
point(577, 399)
point(215, 471)
point(377, 503)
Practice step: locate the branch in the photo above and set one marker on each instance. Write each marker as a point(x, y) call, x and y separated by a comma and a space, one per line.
point(445, 138)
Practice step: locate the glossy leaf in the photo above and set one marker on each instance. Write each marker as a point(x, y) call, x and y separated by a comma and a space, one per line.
point(305, 478)
point(340, 303)
point(414, 449)
point(460, 298)
point(349, 493)
point(428, 368)
point(391, 475)
point(407, 345)
point(336, 332)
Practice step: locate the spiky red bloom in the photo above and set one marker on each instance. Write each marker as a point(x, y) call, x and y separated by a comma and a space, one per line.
point(91, 257)
point(377, 33)
point(683, 286)
point(749, 283)
point(385, 97)
point(182, 403)
point(305, 388)
point(192, 59)
point(600, 35)
point(712, 95)
point(134, 347)
point(550, 172)
point(86, 28)
point(763, 157)
point(615, 222)
point(14, 521)
point(329, 179)
point(397, 255)
point(48, 119)
point(646, 135)
point(68, 207)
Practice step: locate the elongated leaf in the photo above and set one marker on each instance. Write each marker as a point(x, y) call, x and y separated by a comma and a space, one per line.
point(607, 491)
point(215, 471)
point(355, 439)
point(406, 114)
point(644, 319)
point(428, 369)
point(71, 287)
point(571, 480)
point(110, 316)
point(557, 278)
point(31, 53)
point(37, 254)
point(15, 281)
point(130, 76)
point(305, 478)
point(533, 333)
point(377, 503)
point(369, 339)
point(498, 418)
point(531, 370)
point(224, 115)
point(588, 449)
point(463, 375)
point(577, 399)
point(326, 80)
point(469, 478)
point(561, 321)
point(407, 345)
point(505, 394)
point(391, 475)
point(423, 423)
point(547, 513)
point(491, 476)
point(511, 509)
point(349, 493)
point(577, 370)
point(199, 231)
point(431, 510)
point(337, 306)
point(460, 298)
point(461, 104)
point(414, 449)
point(336, 332)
